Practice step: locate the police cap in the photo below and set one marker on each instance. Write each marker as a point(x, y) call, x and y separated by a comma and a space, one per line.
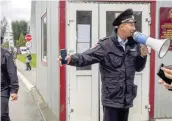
point(125, 17)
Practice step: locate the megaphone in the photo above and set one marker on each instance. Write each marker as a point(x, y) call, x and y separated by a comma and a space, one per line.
point(161, 46)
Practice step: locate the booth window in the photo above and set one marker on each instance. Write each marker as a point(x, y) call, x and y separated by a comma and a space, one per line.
point(83, 30)
point(44, 37)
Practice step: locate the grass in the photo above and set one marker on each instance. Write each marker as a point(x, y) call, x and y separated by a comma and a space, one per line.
point(22, 58)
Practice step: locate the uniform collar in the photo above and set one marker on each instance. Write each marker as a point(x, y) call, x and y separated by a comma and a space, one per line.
point(121, 41)
point(130, 41)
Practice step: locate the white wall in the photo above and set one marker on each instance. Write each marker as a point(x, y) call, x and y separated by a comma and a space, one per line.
point(163, 97)
point(48, 74)
point(33, 27)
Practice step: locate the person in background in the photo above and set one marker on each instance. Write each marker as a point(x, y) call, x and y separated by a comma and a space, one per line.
point(28, 60)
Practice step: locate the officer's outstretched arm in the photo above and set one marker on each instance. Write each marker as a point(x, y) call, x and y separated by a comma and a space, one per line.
point(12, 73)
point(91, 56)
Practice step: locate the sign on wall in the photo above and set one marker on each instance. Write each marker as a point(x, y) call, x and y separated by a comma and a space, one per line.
point(166, 24)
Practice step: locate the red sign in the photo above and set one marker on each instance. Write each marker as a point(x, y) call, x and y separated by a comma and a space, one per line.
point(166, 24)
point(28, 37)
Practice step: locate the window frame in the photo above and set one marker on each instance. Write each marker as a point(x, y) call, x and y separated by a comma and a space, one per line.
point(89, 67)
point(43, 58)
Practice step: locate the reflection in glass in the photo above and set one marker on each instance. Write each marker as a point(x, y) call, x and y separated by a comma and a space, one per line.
point(81, 47)
point(44, 36)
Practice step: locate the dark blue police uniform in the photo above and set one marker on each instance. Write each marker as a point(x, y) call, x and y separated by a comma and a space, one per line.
point(9, 82)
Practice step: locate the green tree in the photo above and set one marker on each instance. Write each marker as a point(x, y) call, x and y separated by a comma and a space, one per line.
point(19, 27)
point(3, 26)
point(21, 41)
point(15, 29)
point(5, 45)
point(23, 25)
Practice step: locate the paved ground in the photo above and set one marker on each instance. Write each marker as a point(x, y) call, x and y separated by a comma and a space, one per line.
point(25, 108)
point(30, 75)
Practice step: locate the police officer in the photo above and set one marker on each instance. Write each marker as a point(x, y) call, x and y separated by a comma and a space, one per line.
point(119, 57)
point(9, 82)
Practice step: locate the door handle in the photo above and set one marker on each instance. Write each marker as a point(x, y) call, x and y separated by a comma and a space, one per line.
point(71, 110)
point(70, 21)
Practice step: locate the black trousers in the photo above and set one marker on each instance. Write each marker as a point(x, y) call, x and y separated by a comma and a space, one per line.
point(28, 67)
point(5, 109)
point(115, 114)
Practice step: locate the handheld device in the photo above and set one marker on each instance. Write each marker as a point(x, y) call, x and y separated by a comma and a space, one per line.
point(63, 53)
point(162, 75)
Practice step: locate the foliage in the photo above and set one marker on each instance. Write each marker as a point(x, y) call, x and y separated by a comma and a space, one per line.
point(21, 41)
point(5, 45)
point(19, 27)
point(3, 26)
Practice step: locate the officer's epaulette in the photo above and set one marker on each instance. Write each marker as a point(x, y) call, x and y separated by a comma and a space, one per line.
point(5, 52)
point(103, 39)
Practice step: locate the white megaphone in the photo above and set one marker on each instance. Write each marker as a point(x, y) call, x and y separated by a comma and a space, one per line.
point(160, 46)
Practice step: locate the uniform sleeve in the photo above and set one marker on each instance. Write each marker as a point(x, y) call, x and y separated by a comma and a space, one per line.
point(140, 61)
point(91, 56)
point(12, 73)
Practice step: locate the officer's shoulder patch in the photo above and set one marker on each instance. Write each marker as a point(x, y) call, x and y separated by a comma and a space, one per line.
point(94, 46)
point(6, 52)
point(103, 39)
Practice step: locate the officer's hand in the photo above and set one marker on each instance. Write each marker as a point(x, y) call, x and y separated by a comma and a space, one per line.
point(167, 72)
point(144, 50)
point(68, 58)
point(14, 96)
point(168, 86)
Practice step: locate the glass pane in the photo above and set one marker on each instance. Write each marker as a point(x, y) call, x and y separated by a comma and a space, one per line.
point(84, 17)
point(83, 33)
point(44, 36)
point(81, 47)
point(111, 15)
point(138, 17)
point(83, 30)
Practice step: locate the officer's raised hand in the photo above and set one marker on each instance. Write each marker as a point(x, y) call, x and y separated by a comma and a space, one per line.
point(144, 50)
point(68, 58)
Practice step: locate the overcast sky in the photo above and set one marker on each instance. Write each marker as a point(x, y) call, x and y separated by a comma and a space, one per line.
point(16, 9)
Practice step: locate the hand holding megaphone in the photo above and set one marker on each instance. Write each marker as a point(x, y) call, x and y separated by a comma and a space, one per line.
point(144, 50)
point(160, 46)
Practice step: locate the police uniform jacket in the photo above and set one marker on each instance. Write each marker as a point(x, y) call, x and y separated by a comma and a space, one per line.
point(117, 68)
point(9, 79)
